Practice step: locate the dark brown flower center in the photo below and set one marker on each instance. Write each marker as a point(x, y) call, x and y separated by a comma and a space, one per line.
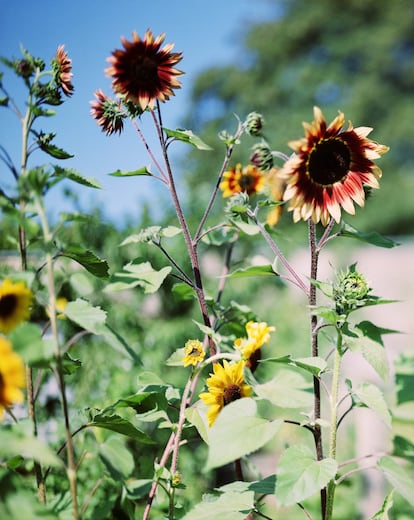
point(247, 183)
point(231, 393)
point(8, 305)
point(329, 162)
point(143, 71)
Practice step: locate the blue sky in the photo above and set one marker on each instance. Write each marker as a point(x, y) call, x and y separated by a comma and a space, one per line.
point(208, 33)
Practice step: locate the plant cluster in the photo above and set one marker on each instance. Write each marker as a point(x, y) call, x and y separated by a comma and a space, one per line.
point(138, 455)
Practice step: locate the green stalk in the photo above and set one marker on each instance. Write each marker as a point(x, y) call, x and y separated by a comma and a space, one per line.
point(334, 423)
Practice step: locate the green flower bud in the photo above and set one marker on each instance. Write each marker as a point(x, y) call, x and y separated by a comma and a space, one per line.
point(262, 156)
point(254, 124)
point(350, 291)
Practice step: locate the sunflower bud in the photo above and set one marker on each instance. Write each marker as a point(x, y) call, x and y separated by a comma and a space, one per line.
point(262, 156)
point(350, 291)
point(254, 124)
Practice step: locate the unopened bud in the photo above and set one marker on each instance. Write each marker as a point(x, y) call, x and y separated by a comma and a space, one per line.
point(254, 124)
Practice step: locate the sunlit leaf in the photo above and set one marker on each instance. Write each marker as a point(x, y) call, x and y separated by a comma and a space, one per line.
point(255, 270)
point(299, 475)
point(288, 389)
point(187, 136)
point(224, 439)
point(85, 315)
point(183, 291)
point(229, 506)
point(372, 397)
point(400, 478)
point(315, 365)
point(138, 274)
point(372, 351)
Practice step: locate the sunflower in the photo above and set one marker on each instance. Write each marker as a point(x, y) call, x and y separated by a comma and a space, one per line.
point(248, 180)
point(330, 169)
point(225, 385)
point(12, 377)
point(62, 67)
point(277, 187)
point(258, 333)
point(108, 113)
point(15, 302)
point(142, 72)
point(194, 352)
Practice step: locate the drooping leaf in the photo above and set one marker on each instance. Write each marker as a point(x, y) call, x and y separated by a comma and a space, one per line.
point(299, 475)
point(73, 175)
point(371, 237)
point(400, 478)
point(88, 260)
point(371, 396)
point(120, 425)
point(187, 136)
point(138, 274)
point(145, 170)
point(255, 270)
point(117, 458)
point(85, 315)
point(224, 439)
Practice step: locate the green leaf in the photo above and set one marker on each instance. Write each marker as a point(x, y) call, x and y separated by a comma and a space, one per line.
point(372, 237)
point(70, 364)
point(28, 342)
point(266, 486)
point(187, 136)
point(73, 175)
point(224, 439)
point(133, 173)
point(403, 448)
point(398, 477)
point(327, 313)
point(373, 331)
point(120, 425)
point(229, 506)
point(138, 274)
point(255, 270)
point(314, 365)
point(372, 397)
point(287, 389)
point(300, 476)
point(404, 376)
point(117, 459)
point(372, 351)
point(85, 315)
point(88, 260)
point(183, 291)
point(55, 151)
point(247, 228)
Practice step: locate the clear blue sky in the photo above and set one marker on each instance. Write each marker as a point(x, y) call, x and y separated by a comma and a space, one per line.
point(207, 32)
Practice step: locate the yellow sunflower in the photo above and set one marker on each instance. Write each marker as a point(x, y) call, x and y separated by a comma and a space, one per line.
point(12, 377)
point(225, 384)
point(258, 333)
point(15, 302)
point(248, 180)
point(330, 169)
point(142, 72)
point(194, 352)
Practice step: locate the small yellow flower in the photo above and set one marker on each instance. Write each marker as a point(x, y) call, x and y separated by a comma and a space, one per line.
point(194, 352)
point(258, 333)
point(60, 306)
point(225, 384)
point(12, 378)
point(15, 302)
point(248, 180)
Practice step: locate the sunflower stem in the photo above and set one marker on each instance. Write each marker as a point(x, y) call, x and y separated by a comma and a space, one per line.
point(314, 251)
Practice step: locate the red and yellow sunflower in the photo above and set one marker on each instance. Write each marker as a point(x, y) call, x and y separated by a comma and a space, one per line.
point(248, 180)
point(142, 72)
point(330, 169)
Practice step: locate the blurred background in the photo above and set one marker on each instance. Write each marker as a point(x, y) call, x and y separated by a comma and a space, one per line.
point(276, 57)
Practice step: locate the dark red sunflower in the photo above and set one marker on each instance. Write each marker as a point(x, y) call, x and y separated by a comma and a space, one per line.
point(330, 169)
point(142, 72)
point(62, 67)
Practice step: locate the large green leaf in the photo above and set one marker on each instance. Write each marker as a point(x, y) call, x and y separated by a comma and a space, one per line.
point(404, 376)
point(187, 136)
point(399, 477)
point(371, 237)
point(120, 425)
point(85, 315)
point(315, 365)
point(28, 342)
point(226, 443)
point(299, 475)
point(288, 389)
point(117, 458)
point(372, 351)
point(403, 448)
point(255, 270)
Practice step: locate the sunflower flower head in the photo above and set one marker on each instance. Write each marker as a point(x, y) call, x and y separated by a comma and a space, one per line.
point(258, 333)
point(15, 303)
point(12, 376)
point(108, 113)
point(62, 69)
point(248, 180)
point(330, 169)
point(142, 72)
point(225, 385)
point(194, 352)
